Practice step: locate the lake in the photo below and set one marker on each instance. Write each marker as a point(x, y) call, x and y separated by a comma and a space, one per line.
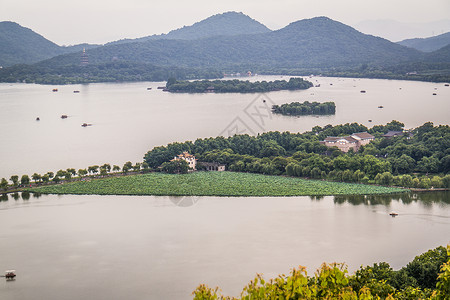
point(128, 120)
point(128, 247)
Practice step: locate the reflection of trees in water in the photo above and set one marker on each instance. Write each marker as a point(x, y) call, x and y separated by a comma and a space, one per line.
point(15, 196)
point(36, 195)
point(316, 198)
point(26, 195)
point(426, 198)
point(4, 197)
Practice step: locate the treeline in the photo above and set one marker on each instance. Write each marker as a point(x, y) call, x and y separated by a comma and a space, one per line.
point(422, 160)
point(43, 73)
point(417, 71)
point(70, 174)
point(235, 86)
point(305, 108)
point(426, 277)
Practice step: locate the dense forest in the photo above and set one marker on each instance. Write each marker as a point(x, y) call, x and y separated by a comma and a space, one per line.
point(235, 86)
point(419, 158)
point(305, 108)
point(426, 277)
point(108, 72)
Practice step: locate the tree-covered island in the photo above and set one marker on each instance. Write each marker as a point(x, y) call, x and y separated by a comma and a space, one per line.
point(235, 86)
point(305, 108)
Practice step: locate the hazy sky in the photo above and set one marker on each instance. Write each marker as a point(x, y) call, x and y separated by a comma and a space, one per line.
point(99, 21)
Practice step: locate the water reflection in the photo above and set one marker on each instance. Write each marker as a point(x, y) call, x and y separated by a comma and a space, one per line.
point(15, 196)
point(4, 197)
point(426, 198)
point(26, 196)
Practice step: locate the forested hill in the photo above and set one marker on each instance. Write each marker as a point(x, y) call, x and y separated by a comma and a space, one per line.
point(428, 44)
point(20, 45)
point(226, 24)
point(317, 42)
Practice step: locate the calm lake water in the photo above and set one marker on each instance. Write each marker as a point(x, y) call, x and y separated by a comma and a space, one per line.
point(127, 247)
point(124, 247)
point(128, 120)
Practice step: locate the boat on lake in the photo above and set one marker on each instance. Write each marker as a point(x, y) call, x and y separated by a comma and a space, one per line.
point(63, 116)
point(86, 124)
point(381, 106)
point(54, 90)
point(10, 274)
point(76, 92)
point(393, 214)
point(363, 91)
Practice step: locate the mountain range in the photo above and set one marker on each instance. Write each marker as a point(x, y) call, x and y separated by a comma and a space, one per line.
point(20, 45)
point(226, 24)
point(227, 42)
point(428, 44)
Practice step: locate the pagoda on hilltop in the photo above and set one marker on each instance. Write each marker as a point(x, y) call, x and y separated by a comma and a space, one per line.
point(84, 58)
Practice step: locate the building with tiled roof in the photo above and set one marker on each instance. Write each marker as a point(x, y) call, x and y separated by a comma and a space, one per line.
point(345, 143)
point(189, 158)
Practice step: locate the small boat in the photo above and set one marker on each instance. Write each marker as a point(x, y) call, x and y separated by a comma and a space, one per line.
point(393, 214)
point(86, 124)
point(165, 90)
point(370, 120)
point(63, 116)
point(161, 87)
point(76, 92)
point(331, 84)
point(148, 89)
point(9, 274)
point(381, 106)
point(54, 90)
point(434, 94)
point(38, 119)
point(264, 101)
point(363, 91)
point(446, 84)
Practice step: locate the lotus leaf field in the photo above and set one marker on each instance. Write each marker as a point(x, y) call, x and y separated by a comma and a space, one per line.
point(211, 184)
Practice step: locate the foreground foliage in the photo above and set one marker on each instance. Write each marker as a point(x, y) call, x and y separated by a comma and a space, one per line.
point(211, 184)
point(333, 282)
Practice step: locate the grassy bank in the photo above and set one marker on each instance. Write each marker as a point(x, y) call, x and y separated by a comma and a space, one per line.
point(211, 184)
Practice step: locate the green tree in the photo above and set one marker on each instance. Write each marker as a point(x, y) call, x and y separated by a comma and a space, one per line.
point(36, 177)
point(24, 180)
point(178, 166)
point(82, 172)
point(15, 180)
point(116, 168)
point(4, 184)
point(72, 171)
point(106, 167)
point(93, 169)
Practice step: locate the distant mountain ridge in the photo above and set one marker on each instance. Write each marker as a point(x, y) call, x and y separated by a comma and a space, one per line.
point(397, 31)
point(316, 42)
point(21, 45)
point(225, 24)
point(428, 44)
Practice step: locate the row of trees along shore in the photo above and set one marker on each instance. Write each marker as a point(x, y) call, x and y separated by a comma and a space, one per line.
point(418, 161)
point(72, 174)
point(426, 277)
point(305, 108)
point(236, 86)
